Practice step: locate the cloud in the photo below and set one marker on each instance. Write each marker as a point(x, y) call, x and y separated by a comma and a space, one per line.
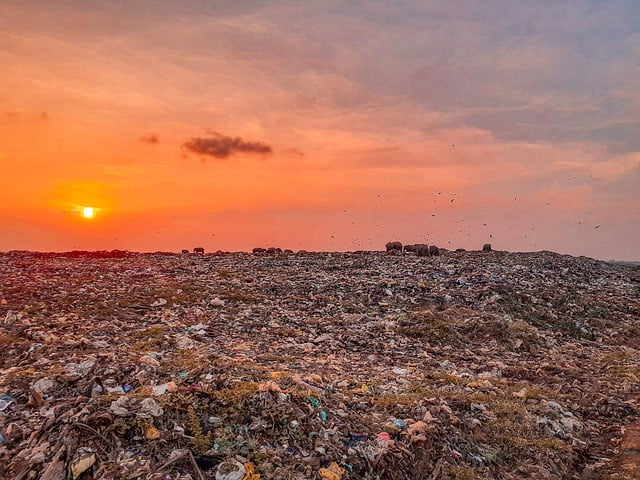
point(152, 139)
point(223, 146)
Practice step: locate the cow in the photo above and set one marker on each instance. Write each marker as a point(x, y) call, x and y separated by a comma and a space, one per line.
point(394, 247)
point(199, 250)
point(410, 248)
point(486, 247)
point(421, 249)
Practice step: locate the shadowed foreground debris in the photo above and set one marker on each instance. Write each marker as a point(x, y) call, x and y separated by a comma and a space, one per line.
point(467, 365)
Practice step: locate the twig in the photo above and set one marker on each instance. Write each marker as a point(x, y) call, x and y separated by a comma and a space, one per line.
point(98, 434)
point(171, 462)
point(437, 470)
point(192, 460)
point(196, 468)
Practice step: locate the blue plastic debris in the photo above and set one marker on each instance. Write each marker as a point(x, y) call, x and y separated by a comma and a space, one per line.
point(399, 423)
point(5, 401)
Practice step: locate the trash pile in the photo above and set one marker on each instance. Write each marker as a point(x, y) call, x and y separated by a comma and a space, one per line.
point(336, 366)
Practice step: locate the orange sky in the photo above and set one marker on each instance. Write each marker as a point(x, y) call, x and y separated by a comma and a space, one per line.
point(325, 126)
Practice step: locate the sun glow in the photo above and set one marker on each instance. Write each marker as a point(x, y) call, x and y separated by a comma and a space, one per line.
point(88, 212)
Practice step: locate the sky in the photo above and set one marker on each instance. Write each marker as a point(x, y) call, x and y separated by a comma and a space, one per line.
point(321, 125)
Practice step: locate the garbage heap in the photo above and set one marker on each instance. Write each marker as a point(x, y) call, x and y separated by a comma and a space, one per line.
point(468, 365)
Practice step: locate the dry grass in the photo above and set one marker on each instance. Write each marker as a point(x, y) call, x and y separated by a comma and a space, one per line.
point(622, 364)
point(225, 273)
point(436, 326)
point(8, 340)
point(148, 339)
point(461, 473)
point(513, 431)
point(201, 441)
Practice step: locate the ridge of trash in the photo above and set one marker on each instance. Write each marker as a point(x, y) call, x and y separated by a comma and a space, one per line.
point(281, 365)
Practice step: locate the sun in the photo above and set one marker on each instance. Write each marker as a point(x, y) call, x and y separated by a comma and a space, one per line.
point(88, 212)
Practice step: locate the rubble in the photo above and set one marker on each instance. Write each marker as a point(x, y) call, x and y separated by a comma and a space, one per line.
point(317, 365)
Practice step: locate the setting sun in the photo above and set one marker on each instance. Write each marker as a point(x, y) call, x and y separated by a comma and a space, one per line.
point(88, 212)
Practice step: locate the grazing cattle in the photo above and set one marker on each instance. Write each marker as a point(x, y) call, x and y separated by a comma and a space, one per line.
point(184, 251)
point(199, 250)
point(422, 249)
point(433, 250)
point(394, 247)
point(486, 247)
point(259, 250)
point(410, 248)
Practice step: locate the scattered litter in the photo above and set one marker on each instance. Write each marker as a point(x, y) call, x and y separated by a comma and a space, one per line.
point(339, 366)
point(332, 472)
point(217, 302)
point(82, 464)
point(230, 470)
point(5, 401)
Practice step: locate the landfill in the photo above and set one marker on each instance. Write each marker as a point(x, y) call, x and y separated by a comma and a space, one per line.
point(314, 365)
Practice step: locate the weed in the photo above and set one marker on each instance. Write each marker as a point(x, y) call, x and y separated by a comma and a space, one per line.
point(621, 364)
point(201, 441)
point(148, 339)
point(224, 273)
point(461, 473)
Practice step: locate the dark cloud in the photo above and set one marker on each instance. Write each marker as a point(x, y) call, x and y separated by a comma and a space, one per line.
point(295, 152)
point(150, 139)
point(222, 146)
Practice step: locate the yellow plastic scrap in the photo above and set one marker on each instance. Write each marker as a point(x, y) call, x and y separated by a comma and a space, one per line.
point(250, 472)
point(151, 433)
point(334, 472)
